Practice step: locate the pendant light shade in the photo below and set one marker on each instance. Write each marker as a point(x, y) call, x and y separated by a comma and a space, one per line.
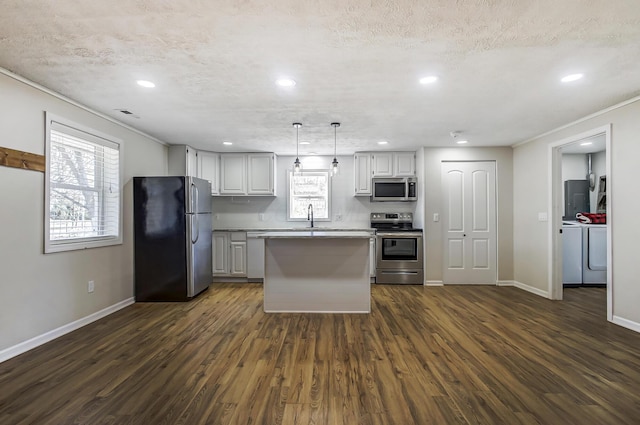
point(334, 163)
point(297, 165)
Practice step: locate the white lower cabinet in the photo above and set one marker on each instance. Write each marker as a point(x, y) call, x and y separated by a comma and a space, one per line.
point(255, 257)
point(372, 257)
point(238, 258)
point(230, 254)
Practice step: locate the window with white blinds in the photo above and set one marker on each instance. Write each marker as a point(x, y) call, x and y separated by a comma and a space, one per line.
point(83, 179)
point(310, 187)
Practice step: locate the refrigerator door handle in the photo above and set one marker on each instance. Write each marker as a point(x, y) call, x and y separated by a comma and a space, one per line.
point(196, 232)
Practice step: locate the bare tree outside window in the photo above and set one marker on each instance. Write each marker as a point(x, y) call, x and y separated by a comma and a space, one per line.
point(84, 187)
point(310, 187)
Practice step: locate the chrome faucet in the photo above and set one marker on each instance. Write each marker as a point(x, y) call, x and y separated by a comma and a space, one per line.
point(310, 213)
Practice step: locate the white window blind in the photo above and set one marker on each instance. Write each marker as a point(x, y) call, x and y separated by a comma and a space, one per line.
point(84, 190)
point(310, 187)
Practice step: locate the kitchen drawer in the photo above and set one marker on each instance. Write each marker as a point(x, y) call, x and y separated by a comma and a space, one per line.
point(238, 236)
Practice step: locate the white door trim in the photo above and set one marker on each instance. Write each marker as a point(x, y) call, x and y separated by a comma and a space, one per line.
point(555, 214)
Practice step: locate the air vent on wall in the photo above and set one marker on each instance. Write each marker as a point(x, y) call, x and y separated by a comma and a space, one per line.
point(127, 112)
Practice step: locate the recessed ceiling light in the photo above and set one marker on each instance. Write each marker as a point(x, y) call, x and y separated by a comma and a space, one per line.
point(285, 82)
point(586, 144)
point(572, 77)
point(382, 143)
point(227, 143)
point(428, 80)
point(305, 143)
point(147, 84)
point(462, 142)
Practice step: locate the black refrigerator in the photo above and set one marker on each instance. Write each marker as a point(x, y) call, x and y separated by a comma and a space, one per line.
point(172, 237)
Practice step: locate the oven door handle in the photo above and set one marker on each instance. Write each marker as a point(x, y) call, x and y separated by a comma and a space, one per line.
point(400, 235)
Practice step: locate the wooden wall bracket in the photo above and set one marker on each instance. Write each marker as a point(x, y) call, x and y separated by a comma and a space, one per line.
point(20, 159)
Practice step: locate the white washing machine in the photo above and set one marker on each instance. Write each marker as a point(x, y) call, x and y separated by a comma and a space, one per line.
point(594, 253)
point(572, 251)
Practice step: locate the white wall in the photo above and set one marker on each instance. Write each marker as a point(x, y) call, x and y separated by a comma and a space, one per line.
point(244, 212)
point(531, 184)
point(39, 292)
point(433, 158)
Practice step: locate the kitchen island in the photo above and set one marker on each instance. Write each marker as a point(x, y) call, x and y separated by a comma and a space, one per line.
point(317, 271)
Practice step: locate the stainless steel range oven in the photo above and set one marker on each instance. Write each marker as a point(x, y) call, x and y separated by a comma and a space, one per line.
point(399, 258)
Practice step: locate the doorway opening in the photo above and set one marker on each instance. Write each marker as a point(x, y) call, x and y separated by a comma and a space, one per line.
point(586, 193)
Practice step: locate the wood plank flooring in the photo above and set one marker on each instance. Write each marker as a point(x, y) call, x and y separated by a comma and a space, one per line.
point(443, 355)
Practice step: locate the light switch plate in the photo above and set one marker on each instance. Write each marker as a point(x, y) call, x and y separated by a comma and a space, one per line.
point(436, 217)
point(542, 216)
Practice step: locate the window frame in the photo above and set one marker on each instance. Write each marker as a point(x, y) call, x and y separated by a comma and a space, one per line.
point(92, 136)
point(326, 173)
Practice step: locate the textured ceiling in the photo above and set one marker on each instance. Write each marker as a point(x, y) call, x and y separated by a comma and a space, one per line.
point(357, 62)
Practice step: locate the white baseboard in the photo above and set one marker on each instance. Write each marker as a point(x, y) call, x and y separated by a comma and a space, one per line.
point(37, 341)
point(626, 323)
point(434, 283)
point(531, 289)
point(505, 283)
point(227, 279)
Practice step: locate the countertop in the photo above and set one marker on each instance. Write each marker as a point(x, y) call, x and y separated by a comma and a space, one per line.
point(314, 234)
point(294, 229)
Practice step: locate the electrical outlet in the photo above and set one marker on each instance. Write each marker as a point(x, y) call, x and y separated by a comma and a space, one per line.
point(261, 216)
point(338, 217)
point(90, 286)
point(216, 216)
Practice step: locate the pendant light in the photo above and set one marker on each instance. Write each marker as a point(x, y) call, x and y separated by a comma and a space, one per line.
point(334, 163)
point(297, 166)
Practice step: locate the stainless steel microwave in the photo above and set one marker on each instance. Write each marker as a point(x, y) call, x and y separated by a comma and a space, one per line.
point(398, 189)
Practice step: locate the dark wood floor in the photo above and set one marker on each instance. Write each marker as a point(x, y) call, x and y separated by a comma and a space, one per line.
point(445, 355)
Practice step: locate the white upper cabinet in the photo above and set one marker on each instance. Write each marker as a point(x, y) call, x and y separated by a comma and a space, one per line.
point(247, 174)
point(183, 161)
point(233, 174)
point(404, 164)
point(260, 174)
point(209, 169)
point(382, 164)
point(362, 168)
point(394, 164)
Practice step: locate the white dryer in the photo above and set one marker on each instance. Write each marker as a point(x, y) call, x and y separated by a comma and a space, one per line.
point(594, 253)
point(572, 253)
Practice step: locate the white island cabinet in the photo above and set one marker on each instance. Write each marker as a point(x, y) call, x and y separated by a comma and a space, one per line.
point(317, 271)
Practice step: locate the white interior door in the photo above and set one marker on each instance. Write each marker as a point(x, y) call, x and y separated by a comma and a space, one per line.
point(469, 210)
